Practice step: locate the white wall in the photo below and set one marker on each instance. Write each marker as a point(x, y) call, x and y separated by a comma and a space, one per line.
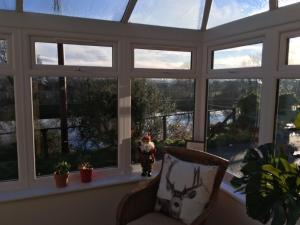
point(91, 207)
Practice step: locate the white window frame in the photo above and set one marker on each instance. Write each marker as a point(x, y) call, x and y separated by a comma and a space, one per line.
point(100, 43)
point(283, 54)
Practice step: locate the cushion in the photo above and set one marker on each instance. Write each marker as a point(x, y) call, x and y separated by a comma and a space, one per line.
point(155, 219)
point(184, 188)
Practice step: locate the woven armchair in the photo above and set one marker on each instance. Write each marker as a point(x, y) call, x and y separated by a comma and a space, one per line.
point(141, 201)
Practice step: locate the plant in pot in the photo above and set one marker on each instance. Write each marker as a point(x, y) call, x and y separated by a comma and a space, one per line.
point(86, 172)
point(61, 173)
point(271, 184)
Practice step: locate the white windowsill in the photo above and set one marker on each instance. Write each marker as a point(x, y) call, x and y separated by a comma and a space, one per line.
point(228, 189)
point(34, 192)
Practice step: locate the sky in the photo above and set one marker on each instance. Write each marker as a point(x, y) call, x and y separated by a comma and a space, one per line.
point(77, 55)
point(238, 57)
point(158, 59)
point(95, 9)
point(179, 13)
point(294, 51)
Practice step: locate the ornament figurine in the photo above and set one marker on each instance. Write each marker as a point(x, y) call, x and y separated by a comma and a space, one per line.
point(147, 155)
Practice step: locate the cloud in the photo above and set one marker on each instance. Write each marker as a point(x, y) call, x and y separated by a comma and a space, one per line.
point(226, 11)
point(156, 59)
point(181, 14)
point(294, 51)
point(286, 2)
point(83, 55)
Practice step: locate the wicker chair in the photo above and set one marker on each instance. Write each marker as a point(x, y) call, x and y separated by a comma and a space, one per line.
point(140, 202)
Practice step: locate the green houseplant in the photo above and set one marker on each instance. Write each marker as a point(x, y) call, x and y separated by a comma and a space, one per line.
point(271, 185)
point(61, 173)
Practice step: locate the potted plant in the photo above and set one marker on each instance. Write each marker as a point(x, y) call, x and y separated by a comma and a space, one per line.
point(61, 173)
point(271, 184)
point(86, 171)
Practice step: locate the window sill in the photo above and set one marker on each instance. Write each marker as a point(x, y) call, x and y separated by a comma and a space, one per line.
point(228, 189)
point(35, 192)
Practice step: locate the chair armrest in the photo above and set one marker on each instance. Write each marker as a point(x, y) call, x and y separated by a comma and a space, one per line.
point(138, 203)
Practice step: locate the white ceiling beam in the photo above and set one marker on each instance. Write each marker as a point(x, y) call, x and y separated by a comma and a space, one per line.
point(129, 8)
point(273, 4)
point(206, 14)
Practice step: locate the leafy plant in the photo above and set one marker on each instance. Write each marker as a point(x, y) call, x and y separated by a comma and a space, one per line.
point(271, 185)
point(62, 168)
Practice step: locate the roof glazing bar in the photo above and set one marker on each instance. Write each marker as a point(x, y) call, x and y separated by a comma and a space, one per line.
point(206, 14)
point(273, 4)
point(130, 6)
point(19, 5)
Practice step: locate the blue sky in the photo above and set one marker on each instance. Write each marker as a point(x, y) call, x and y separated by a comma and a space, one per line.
point(96, 9)
point(8, 4)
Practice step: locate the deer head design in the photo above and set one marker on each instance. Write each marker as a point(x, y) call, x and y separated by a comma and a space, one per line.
point(178, 195)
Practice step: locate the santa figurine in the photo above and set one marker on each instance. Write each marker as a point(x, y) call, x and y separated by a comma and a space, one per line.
point(147, 155)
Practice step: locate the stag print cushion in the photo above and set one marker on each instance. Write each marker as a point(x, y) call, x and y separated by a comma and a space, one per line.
point(184, 188)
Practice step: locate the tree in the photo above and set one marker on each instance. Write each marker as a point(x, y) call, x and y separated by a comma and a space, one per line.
point(3, 51)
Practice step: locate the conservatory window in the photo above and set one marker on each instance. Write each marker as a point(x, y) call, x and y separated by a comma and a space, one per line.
point(103, 9)
point(162, 59)
point(74, 55)
point(46, 53)
point(233, 107)
point(288, 116)
point(222, 12)
point(8, 4)
point(286, 2)
point(75, 119)
point(169, 13)
point(294, 51)
point(238, 57)
point(164, 109)
point(8, 140)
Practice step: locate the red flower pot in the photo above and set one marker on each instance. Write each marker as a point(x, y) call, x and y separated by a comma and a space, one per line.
point(86, 175)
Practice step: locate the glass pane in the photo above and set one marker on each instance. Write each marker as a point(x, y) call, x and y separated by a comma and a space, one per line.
point(169, 13)
point(164, 109)
point(294, 51)
point(288, 116)
point(225, 11)
point(84, 55)
point(238, 57)
point(233, 107)
point(46, 53)
point(75, 119)
point(8, 141)
point(286, 2)
point(100, 9)
point(160, 59)
point(3, 51)
point(8, 4)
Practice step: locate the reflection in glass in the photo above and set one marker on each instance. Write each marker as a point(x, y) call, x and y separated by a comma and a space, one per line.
point(46, 53)
point(100, 9)
point(75, 119)
point(8, 141)
point(8, 4)
point(288, 116)
point(3, 51)
point(84, 55)
point(286, 2)
point(164, 109)
point(294, 51)
point(169, 13)
point(225, 11)
point(161, 59)
point(238, 57)
point(233, 107)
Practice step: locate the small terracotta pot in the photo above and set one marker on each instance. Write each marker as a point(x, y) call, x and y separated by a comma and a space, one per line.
point(61, 180)
point(86, 175)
